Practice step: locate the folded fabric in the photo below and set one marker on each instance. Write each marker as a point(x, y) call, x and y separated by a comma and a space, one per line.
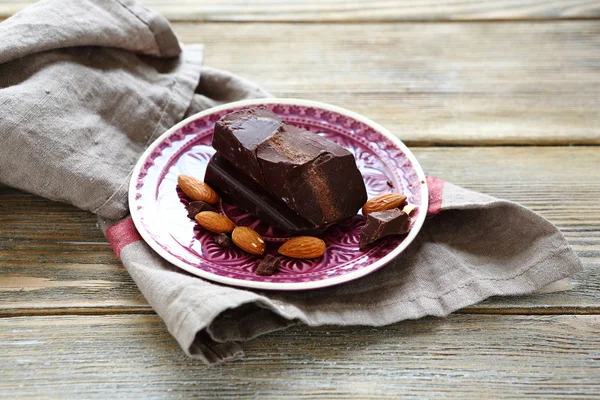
point(86, 85)
point(474, 246)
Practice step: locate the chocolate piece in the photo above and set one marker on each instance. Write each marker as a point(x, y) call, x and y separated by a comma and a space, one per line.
point(196, 207)
point(236, 188)
point(223, 240)
point(316, 178)
point(268, 266)
point(238, 135)
point(384, 223)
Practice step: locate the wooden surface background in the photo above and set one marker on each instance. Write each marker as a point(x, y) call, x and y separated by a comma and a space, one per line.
point(498, 96)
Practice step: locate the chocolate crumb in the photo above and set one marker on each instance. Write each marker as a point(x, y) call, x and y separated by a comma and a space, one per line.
point(196, 207)
point(223, 240)
point(268, 266)
point(390, 183)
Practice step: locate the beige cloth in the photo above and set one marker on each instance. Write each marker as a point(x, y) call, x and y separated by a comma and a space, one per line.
point(86, 85)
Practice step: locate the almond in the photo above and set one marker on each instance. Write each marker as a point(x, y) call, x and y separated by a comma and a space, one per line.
point(303, 247)
point(197, 190)
point(248, 240)
point(214, 222)
point(383, 202)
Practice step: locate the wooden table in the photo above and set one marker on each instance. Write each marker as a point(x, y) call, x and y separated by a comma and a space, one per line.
point(498, 96)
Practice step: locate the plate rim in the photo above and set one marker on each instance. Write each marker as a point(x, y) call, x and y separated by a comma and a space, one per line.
point(285, 286)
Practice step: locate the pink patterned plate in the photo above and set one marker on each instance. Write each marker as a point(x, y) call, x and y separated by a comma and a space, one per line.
point(159, 210)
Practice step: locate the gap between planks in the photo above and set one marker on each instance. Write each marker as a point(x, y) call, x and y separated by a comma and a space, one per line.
point(380, 21)
point(372, 21)
point(356, 11)
point(472, 310)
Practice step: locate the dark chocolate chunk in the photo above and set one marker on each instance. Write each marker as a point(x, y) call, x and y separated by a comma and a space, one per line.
point(238, 134)
point(196, 207)
point(238, 189)
point(384, 223)
point(314, 177)
point(268, 266)
point(223, 240)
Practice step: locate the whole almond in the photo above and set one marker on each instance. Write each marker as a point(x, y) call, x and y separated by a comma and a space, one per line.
point(248, 240)
point(214, 222)
point(383, 202)
point(303, 247)
point(197, 190)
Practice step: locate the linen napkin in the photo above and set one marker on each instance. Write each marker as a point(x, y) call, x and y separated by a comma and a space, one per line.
point(86, 85)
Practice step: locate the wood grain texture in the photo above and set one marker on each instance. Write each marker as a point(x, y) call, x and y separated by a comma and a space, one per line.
point(471, 84)
point(57, 261)
point(492, 83)
point(466, 357)
point(530, 82)
point(355, 10)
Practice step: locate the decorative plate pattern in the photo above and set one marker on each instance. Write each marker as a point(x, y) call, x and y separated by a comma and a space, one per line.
point(159, 211)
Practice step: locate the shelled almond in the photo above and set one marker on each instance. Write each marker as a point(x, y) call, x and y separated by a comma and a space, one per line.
point(214, 222)
point(383, 202)
point(248, 240)
point(303, 247)
point(197, 190)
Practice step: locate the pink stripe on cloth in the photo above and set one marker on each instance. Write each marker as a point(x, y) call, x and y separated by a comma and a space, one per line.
point(122, 234)
point(436, 192)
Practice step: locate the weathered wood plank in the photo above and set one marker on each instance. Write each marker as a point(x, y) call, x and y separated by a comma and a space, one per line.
point(475, 83)
point(458, 357)
point(355, 10)
point(55, 260)
point(444, 83)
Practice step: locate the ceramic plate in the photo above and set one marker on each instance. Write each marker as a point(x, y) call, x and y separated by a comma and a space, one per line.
point(158, 208)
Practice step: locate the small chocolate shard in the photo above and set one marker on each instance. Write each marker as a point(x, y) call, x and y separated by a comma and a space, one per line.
point(384, 223)
point(390, 183)
point(268, 266)
point(409, 208)
point(223, 240)
point(196, 207)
